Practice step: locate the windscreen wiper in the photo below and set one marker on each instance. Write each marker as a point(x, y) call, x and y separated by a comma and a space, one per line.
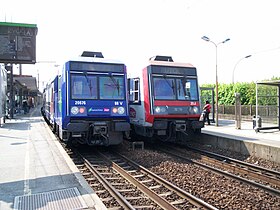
point(172, 86)
point(88, 83)
point(116, 83)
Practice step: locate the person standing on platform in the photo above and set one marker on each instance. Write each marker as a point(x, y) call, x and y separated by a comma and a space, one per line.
point(207, 109)
point(24, 106)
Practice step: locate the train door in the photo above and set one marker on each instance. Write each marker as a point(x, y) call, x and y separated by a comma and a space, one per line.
point(135, 110)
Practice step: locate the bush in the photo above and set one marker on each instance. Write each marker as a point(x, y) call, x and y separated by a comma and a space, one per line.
point(267, 94)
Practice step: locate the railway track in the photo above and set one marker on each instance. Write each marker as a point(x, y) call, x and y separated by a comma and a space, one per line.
point(254, 175)
point(123, 184)
point(222, 198)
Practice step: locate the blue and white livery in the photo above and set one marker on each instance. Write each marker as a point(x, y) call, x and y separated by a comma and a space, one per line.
point(88, 101)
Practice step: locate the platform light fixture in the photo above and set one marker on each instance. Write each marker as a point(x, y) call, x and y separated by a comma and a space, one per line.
point(247, 56)
point(207, 39)
point(237, 97)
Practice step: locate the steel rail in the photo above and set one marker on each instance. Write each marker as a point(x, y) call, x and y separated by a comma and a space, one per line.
point(225, 173)
point(263, 170)
point(156, 198)
point(120, 199)
point(191, 198)
point(247, 169)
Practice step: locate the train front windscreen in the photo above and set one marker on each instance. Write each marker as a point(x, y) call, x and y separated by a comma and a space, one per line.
point(175, 88)
point(94, 86)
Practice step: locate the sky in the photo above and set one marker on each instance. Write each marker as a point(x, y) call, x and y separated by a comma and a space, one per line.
point(133, 31)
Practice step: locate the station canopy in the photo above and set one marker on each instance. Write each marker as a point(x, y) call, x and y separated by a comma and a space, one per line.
point(275, 83)
point(272, 82)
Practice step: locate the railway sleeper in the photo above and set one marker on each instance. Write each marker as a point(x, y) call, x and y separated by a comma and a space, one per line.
point(107, 199)
point(87, 173)
point(134, 198)
point(117, 184)
point(96, 162)
point(144, 207)
point(147, 181)
point(116, 160)
point(122, 164)
point(166, 194)
point(105, 173)
point(132, 172)
point(100, 191)
point(178, 202)
point(155, 187)
point(114, 178)
point(139, 176)
point(83, 170)
point(126, 190)
point(103, 169)
point(95, 185)
point(114, 208)
point(128, 167)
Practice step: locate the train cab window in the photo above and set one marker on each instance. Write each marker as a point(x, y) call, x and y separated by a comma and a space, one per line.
point(134, 94)
point(111, 87)
point(136, 90)
point(187, 89)
point(83, 87)
point(168, 88)
point(164, 88)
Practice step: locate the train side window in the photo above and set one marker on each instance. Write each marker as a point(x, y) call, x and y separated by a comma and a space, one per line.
point(134, 90)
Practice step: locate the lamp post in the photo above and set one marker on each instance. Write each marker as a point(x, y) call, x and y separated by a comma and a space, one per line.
point(247, 56)
point(237, 97)
point(205, 38)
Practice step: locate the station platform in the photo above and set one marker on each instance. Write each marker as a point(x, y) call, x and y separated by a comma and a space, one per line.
point(36, 172)
point(264, 144)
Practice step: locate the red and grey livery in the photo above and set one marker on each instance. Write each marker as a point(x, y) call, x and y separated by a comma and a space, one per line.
point(164, 101)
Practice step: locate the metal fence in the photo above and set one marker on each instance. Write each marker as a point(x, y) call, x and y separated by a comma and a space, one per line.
point(268, 113)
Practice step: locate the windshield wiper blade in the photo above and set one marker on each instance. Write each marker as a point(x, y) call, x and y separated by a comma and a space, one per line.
point(88, 83)
point(171, 86)
point(116, 84)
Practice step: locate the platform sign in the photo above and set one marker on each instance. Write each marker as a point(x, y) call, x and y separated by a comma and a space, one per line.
point(18, 43)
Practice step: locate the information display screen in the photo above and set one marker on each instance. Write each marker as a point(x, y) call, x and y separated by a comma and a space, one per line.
point(18, 43)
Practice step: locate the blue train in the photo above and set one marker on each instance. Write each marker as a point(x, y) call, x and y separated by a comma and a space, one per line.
point(87, 103)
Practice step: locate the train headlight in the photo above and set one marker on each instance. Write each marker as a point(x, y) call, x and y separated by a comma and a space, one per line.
point(115, 110)
point(195, 109)
point(74, 110)
point(157, 109)
point(121, 110)
point(191, 110)
point(160, 110)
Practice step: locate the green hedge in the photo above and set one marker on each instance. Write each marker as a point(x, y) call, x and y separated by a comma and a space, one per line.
point(267, 95)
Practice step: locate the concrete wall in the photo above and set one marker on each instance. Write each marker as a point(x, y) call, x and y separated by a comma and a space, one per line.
point(243, 147)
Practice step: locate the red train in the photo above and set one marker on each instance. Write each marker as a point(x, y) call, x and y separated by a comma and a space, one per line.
point(164, 101)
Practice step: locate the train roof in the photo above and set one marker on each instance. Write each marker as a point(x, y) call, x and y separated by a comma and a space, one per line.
point(170, 63)
point(95, 60)
point(163, 60)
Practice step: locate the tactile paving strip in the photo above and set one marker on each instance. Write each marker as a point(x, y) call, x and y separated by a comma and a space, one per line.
point(54, 200)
